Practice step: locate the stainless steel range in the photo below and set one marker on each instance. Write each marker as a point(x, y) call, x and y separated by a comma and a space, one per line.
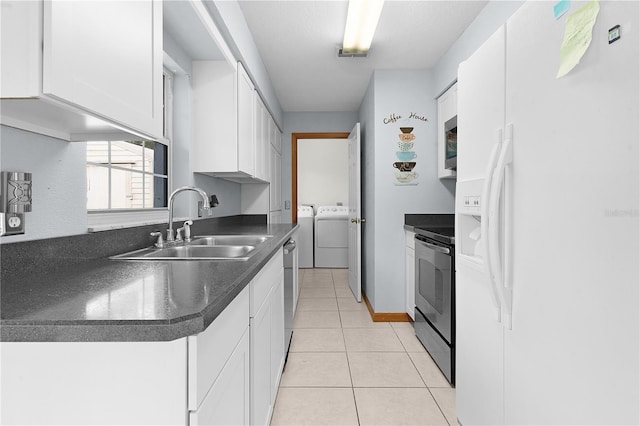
point(435, 295)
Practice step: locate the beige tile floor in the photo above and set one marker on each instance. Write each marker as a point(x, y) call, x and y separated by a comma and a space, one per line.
point(344, 369)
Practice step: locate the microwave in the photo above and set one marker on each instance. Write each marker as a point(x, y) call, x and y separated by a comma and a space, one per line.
point(451, 143)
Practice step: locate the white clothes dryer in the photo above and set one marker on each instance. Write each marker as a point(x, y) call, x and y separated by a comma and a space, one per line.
point(331, 237)
point(305, 237)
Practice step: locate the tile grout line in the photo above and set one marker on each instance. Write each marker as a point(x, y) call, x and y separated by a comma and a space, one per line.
point(426, 385)
point(344, 340)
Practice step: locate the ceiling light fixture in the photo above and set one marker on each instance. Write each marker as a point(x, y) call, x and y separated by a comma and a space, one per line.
point(362, 20)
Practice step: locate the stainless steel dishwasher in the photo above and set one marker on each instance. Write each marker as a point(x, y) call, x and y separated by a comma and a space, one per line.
point(290, 290)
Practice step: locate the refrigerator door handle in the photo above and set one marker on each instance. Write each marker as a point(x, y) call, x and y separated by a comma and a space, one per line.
point(505, 159)
point(485, 230)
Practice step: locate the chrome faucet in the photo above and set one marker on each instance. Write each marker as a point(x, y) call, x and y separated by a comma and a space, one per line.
point(205, 201)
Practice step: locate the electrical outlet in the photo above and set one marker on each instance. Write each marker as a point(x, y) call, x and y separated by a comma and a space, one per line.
point(11, 223)
point(287, 205)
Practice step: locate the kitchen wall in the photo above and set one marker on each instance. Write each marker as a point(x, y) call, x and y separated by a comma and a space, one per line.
point(59, 190)
point(398, 98)
point(308, 122)
point(323, 172)
point(494, 14)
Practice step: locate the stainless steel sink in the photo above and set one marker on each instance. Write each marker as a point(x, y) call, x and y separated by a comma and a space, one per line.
point(206, 247)
point(229, 240)
point(189, 252)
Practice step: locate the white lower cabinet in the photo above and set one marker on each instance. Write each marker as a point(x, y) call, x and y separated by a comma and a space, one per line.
point(266, 327)
point(227, 402)
point(87, 383)
point(260, 331)
point(277, 336)
point(410, 273)
point(218, 385)
point(236, 363)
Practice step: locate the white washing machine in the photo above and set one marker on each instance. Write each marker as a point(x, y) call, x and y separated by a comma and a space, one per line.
point(331, 238)
point(305, 237)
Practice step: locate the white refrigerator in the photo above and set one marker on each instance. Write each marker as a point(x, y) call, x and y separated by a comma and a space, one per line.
point(547, 224)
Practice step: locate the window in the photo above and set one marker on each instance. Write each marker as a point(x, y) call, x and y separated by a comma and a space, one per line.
point(128, 181)
point(126, 175)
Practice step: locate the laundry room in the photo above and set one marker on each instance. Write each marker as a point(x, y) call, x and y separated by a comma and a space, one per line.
point(323, 193)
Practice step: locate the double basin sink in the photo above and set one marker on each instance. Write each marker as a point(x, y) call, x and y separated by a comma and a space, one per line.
point(208, 247)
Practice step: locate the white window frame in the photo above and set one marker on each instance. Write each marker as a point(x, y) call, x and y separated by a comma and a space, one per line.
point(101, 220)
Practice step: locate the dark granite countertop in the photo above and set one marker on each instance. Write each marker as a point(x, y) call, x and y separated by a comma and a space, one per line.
point(413, 222)
point(71, 297)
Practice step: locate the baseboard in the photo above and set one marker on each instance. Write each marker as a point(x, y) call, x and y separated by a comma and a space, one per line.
point(386, 316)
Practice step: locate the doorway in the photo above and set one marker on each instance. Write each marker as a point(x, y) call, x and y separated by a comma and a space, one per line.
point(295, 137)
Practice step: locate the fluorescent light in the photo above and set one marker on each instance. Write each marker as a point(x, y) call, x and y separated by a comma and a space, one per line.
point(362, 20)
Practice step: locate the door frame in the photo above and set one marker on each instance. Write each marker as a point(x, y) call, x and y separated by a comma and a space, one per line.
point(294, 163)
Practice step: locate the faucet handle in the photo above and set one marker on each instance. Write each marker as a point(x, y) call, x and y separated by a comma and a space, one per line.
point(159, 243)
point(187, 230)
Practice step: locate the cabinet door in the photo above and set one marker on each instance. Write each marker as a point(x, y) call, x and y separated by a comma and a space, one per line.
point(227, 403)
point(271, 132)
point(410, 281)
point(272, 180)
point(277, 335)
point(211, 349)
point(261, 154)
point(275, 190)
point(21, 49)
point(278, 178)
point(246, 133)
point(410, 273)
point(90, 383)
point(260, 334)
point(106, 57)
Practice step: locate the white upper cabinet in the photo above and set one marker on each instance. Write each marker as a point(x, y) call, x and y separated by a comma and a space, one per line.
point(232, 128)
point(275, 189)
point(262, 118)
point(274, 136)
point(447, 109)
point(223, 121)
point(246, 123)
point(83, 70)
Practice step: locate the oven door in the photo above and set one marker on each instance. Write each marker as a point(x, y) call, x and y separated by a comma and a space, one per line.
point(434, 286)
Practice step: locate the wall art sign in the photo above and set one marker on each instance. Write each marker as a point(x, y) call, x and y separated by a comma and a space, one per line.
point(405, 141)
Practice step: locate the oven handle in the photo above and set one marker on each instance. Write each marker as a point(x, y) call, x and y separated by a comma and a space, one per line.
point(433, 247)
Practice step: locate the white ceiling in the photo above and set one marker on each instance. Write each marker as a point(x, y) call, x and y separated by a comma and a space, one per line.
point(298, 43)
